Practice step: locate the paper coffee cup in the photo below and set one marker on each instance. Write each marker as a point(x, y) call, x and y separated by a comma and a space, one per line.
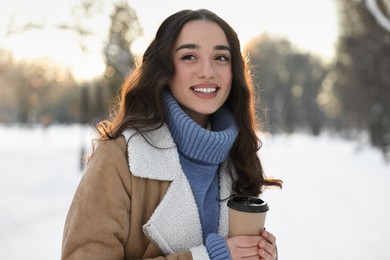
point(246, 215)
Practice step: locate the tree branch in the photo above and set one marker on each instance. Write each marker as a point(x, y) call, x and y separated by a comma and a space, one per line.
point(378, 15)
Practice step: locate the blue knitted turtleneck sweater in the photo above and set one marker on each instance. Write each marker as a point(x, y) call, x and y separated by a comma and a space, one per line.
point(201, 151)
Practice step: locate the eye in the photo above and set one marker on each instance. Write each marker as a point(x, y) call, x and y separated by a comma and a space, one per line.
point(223, 58)
point(188, 57)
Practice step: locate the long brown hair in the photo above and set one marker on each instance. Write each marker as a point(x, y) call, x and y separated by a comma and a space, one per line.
point(140, 104)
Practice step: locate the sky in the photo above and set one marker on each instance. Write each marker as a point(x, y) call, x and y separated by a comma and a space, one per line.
point(310, 25)
point(334, 203)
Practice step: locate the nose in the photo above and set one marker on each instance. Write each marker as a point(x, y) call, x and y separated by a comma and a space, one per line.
point(206, 69)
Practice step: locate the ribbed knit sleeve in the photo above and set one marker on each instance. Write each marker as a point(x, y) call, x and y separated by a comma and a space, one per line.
point(217, 247)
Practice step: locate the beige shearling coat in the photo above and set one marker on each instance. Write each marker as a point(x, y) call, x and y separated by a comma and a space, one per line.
point(134, 202)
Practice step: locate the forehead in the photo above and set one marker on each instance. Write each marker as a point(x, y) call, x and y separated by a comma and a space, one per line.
point(202, 32)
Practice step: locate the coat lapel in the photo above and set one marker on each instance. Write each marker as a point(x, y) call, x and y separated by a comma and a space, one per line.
point(153, 155)
point(175, 224)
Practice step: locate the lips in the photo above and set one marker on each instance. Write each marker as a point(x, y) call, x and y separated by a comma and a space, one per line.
point(206, 90)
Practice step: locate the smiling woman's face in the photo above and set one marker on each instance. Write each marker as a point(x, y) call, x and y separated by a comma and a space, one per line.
point(203, 75)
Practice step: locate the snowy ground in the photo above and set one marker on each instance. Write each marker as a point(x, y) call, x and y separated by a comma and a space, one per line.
point(334, 204)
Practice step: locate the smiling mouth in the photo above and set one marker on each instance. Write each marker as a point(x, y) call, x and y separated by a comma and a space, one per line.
point(205, 90)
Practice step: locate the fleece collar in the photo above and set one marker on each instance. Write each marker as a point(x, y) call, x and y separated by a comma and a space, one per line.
point(175, 224)
point(153, 154)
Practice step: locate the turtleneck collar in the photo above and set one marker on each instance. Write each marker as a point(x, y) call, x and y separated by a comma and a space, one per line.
point(195, 142)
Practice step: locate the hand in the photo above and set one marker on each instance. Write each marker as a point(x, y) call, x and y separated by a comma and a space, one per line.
point(245, 247)
point(267, 246)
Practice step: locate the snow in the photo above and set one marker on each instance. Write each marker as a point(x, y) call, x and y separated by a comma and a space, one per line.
point(335, 200)
point(334, 203)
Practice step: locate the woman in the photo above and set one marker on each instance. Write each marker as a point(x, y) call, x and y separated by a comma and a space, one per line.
point(181, 142)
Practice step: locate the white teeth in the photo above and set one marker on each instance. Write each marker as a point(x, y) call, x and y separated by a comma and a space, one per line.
point(205, 90)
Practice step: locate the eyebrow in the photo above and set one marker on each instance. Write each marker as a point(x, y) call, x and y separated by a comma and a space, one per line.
point(197, 46)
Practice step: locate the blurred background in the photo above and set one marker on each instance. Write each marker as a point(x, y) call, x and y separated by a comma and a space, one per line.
point(317, 64)
point(322, 75)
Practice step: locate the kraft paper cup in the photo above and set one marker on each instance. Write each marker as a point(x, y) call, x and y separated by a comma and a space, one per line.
point(246, 215)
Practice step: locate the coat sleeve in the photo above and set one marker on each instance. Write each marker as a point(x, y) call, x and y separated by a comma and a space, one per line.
point(98, 221)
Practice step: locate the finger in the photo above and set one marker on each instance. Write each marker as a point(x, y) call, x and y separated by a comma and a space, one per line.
point(248, 252)
point(244, 252)
point(267, 250)
point(268, 247)
point(244, 247)
point(269, 237)
point(265, 255)
point(246, 241)
point(255, 257)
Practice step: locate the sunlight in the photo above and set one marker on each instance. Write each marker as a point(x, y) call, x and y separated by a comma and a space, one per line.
point(60, 47)
point(311, 25)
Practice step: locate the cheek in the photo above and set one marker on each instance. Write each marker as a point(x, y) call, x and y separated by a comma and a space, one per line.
point(173, 82)
point(228, 77)
point(228, 83)
point(225, 72)
point(180, 75)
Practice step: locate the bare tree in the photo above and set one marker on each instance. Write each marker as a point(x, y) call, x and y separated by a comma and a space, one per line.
point(361, 70)
point(124, 29)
